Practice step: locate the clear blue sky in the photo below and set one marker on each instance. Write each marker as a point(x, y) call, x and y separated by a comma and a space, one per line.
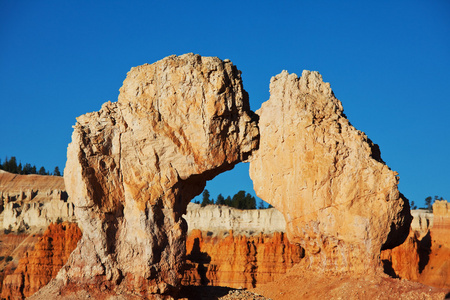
point(387, 61)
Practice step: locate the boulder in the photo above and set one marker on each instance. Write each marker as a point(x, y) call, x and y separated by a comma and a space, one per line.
point(339, 199)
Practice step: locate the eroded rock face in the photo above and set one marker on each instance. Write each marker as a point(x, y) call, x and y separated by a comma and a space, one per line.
point(425, 258)
point(339, 199)
point(32, 202)
point(238, 261)
point(42, 264)
point(133, 167)
point(218, 219)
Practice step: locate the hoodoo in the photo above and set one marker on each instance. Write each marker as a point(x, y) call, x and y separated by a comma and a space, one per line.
point(339, 199)
point(133, 167)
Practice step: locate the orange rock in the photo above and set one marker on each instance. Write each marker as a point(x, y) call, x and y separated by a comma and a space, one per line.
point(403, 261)
point(427, 259)
point(437, 271)
point(133, 167)
point(238, 261)
point(339, 199)
point(42, 264)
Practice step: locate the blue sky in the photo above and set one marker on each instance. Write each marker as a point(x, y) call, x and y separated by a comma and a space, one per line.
point(387, 61)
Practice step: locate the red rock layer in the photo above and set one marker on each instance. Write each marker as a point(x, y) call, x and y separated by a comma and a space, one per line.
point(437, 271)
point(238, 261)
point(12, 248)
point(426, 260)
point(403, 261)
point(42, 264)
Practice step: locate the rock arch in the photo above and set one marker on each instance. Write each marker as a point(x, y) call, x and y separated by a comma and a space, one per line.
point(134, 165)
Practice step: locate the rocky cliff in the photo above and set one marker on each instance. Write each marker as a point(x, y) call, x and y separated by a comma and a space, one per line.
point(236, 248)
point(133, 167)
point(32, 201)
point(13, 247)
point(424, 258)
point(339, 199)
point(238, 261)
point(225, 247)
point(222, 219)
point(42, 264)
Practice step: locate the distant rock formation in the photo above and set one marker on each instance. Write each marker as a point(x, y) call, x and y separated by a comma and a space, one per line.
point(238, 261)
point(236, 248)
point(339, 199)
point(133, 167)
point(32, 201)
point(424, 257)
point(42, 264)
point(218, 220)
point(422, 221)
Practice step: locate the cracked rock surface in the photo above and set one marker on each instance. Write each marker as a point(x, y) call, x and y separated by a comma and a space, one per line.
point(133, 167)
point(339, 199)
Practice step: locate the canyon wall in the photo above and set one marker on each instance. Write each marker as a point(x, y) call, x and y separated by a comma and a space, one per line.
point(32, 201)
point(236, 248)
point(40, 265)
point(424, 258)
point(238, 261)
point(339, 199)
point(225, 247)
point(218, 219)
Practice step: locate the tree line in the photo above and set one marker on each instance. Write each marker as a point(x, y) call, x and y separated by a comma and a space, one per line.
point(428, 203)
point(10, 165)
point(240, 200)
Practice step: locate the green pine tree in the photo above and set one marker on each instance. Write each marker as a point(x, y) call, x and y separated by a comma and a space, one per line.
point(206, 200)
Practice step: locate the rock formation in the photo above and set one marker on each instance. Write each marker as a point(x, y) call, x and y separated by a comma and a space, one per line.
point(238, 261)
point(422, 221)
point(13, 247)
point(424, 258)
point(339, 199)
point(42, 264)
point(133, 167)
point(236, 248)
point(32, 201)
point(221, 219)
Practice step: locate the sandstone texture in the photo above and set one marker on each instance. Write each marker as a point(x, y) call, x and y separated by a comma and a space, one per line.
point(238, 261)
point(301, 283)
point(42, 264)
point(133, 167)
point(13, 247)
point(406, 260)
point(424, 258)
point(32, 201)
point(422, 221)
point(217, 219)
point(339, 199)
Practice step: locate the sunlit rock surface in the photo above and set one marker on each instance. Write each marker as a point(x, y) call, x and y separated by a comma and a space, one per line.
point(422, 257)
point(42, 264)
point(220, 219)
point(31, 202)
point(133, 167)
point(339, 199)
